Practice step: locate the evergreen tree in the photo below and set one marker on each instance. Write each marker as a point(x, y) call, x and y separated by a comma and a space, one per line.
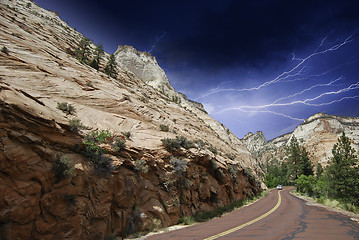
point(83, 50)
point(298, 159)
point(110, 68)
point(319, 171)
point(293, 152)
point(305, 165)
point(343, 172)
point(95, 63)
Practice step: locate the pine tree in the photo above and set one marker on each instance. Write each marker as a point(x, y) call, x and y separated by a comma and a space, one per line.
point(110, 68)
point(319, 171)
point(298, 159)
point(305, 165)
point(343, 172)
point(95, 63)
point(293, 158)
point(83, 50)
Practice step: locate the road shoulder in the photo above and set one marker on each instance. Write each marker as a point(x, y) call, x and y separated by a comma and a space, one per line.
point(311, 202)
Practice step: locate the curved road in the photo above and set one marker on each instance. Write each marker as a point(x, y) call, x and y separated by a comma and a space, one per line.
point(279, 215)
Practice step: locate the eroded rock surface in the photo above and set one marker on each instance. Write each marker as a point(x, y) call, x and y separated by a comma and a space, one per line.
point(37, 72)
point(317, 134)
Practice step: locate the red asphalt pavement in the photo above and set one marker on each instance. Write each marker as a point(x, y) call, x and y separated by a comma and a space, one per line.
point(294, 219)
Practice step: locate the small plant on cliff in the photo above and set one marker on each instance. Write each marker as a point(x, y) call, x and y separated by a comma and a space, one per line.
point(171, 144)
point(66, 108)
point(76, 125)
point(118, 144)
point(233, 170)
point(5, 50)
point(127, 135)
point(250, 174)
point(213, 149)
point(95, 153)
point(185, 143)
point(63, 167)
point(175, 144)
point(164, 128)
point(141, 166)
point(232, 157)
point(179, 165)
point(200, 143)
point(99, 136)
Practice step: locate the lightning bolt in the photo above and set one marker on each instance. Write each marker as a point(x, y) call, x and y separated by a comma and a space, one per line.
point(305, 101)
point(308, 89)
point(297, 70)
point(273, 112)
point(157, 41)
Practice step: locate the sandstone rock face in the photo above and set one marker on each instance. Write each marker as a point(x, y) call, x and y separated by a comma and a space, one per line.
point(39, 71)
point(144, 66)
point(317, 134)
point(321, 131)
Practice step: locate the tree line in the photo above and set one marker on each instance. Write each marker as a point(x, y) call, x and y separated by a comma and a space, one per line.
point(338, 180)
point(84, 52)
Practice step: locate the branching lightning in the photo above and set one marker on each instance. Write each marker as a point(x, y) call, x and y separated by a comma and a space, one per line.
point(300, 72)
point(305, 101)
point(156, 42)
point(272, 112)
point(286, 76)
point(308, 89)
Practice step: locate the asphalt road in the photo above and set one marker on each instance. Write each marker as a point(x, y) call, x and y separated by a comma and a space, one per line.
point(276, 216)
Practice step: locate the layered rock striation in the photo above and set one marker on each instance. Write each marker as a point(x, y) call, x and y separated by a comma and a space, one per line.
point(138, 188)
point(317, 134)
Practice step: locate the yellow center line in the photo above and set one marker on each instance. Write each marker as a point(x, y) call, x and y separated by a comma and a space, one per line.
point(248, 223)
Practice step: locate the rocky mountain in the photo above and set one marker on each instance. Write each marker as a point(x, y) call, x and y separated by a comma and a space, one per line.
point(317, 134)
point(83, 155)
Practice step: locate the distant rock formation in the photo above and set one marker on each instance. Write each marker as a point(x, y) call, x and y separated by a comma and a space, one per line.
point(144, 66)
point(317, 134)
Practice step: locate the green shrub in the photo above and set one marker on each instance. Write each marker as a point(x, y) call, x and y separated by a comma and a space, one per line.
point(5, 50)
point(185, 143)
point(171, 144)
point(63, 167)
point(232, 157)
point(95, 64)
point(164, 128)
point(141, 166)
point(126, 134)
point(200, 143)
point(76, 125)
point(305, 184)
point(66, 108)
point(175, 144)
point(213, 149)
point(179, 165)
point(233, 170)
point(95, 154)
point(99, 136)
point(249, 173)
point(118, 144)
point(187, 220)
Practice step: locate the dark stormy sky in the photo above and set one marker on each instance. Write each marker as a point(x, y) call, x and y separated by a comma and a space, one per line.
point(254, 65)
